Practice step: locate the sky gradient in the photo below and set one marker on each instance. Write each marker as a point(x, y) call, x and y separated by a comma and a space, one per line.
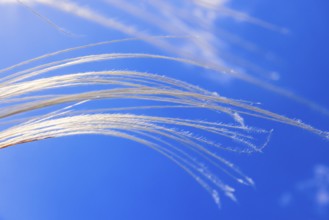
point(100, 177)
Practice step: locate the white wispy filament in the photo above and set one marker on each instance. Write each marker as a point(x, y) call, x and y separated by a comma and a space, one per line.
point(34, 90)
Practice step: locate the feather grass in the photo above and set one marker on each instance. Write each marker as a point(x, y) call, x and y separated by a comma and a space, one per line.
point(32, 89)
point(178, 139)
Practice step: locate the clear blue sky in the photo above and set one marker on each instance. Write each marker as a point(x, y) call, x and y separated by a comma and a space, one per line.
point(97, 177)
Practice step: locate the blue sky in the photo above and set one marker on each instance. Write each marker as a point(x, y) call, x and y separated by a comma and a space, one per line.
point(99, 177)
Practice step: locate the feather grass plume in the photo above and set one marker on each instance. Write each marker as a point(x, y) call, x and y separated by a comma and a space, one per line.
point(50, 100)
point(28, 98)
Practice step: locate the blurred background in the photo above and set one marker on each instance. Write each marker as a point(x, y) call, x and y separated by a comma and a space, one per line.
point(282, 43)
